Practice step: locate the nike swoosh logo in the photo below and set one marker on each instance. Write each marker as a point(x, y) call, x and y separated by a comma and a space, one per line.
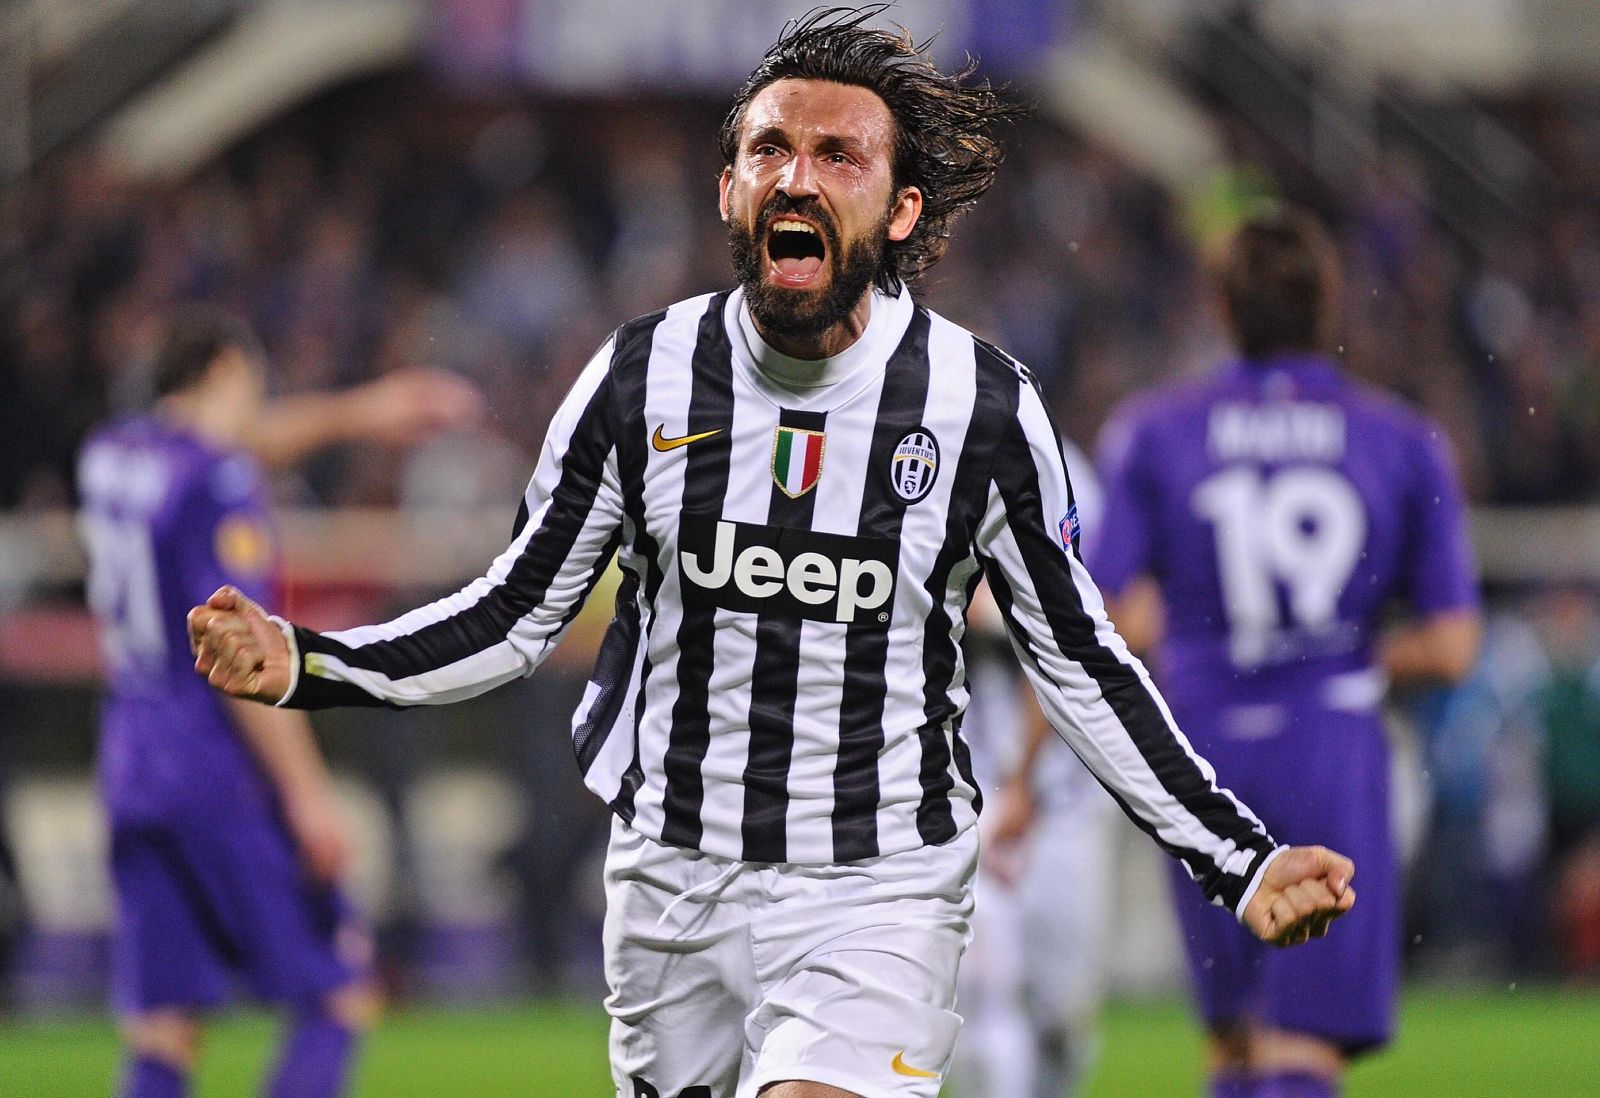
point(662, 443)
point(902, 1068)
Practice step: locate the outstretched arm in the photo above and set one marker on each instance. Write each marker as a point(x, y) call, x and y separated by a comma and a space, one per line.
point(1099, 697)
point(400, 408)
point(497, 628)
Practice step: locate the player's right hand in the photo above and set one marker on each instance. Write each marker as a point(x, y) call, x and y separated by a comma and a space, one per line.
point(1303, 890)
point(238, 649)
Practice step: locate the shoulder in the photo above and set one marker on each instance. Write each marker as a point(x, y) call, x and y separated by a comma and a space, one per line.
point(1378, 415)
point(690, 313)
point(1000, 378)
point(664, 336)
point(232, 478)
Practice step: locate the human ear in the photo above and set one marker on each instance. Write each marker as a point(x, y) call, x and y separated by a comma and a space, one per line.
point(904, 213)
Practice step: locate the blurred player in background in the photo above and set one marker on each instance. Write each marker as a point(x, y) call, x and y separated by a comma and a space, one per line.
point(226, 845)
point(1279, 508)
point(1033, 978)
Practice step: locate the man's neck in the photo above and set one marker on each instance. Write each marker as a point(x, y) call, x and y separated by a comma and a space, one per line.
point(825, 344)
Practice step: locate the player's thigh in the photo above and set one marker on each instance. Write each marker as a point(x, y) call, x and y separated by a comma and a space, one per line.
point(804, 1089)
point(678, 968)
point(860, 975)
point(293, 939)
point(168, 951)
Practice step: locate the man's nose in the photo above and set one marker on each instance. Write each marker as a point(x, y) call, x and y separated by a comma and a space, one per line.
point(798, 178)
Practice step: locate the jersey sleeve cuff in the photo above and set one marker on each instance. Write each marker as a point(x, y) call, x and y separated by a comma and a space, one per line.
point(1255, 882)
point(287, 629)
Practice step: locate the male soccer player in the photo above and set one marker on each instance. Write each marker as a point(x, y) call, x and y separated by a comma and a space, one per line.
point(803, 479)
point(1281, 507)
point(225, 844)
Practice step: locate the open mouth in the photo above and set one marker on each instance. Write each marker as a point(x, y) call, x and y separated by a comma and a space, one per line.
point(796, 250)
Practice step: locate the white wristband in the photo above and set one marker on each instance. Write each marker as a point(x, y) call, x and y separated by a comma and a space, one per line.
point(287, 629)
point(1255, 885)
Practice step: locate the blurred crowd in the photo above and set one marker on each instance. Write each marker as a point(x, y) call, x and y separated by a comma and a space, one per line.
point(390, 224)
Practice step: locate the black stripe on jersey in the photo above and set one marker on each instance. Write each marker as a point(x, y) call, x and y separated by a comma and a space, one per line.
point(993, 404)
point(487, 622)
point(311, 692)
point(1004, 599)
point(1000, 588)
point(613, 671)
point(1072, 628)
point(630, 370)
point(902, 404)
point(705, 484)
point(1019, 371)
point(774, 683)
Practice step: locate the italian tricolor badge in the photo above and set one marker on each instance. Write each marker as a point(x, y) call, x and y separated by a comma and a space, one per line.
point(797, 459)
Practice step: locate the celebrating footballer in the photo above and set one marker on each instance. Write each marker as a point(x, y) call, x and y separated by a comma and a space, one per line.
point(803, 479)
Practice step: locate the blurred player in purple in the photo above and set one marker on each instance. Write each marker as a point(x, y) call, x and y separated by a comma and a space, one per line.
point(1272, 513)
point(225, 842)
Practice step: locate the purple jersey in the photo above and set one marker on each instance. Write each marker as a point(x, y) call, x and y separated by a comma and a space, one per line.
point(167, 519)
point(1280, 508)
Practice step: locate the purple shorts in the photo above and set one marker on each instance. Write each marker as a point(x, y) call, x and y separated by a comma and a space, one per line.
point(196, 904)
point(1323, 783)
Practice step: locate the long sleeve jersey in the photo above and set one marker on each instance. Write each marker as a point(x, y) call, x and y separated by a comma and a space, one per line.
point(783, 679)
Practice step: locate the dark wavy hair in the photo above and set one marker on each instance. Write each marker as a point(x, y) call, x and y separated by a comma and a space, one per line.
point(1280, 278)
point(945, 144)
point(192, 339)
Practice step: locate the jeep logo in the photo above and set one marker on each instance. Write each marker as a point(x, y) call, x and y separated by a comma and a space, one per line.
point(792, 573)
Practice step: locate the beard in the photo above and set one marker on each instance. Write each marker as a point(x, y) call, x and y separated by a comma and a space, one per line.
point(805, 314)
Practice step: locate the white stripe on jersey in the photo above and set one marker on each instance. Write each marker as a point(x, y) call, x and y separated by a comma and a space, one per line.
point(751, 699)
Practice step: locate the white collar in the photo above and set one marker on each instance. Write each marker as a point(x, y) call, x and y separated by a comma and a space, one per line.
point(800, 381)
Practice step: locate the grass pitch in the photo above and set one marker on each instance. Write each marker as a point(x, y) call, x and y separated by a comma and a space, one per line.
point(1538, 1043)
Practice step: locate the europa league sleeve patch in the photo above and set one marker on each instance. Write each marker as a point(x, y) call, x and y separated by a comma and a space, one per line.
point(1069, 528)
point(243, 545)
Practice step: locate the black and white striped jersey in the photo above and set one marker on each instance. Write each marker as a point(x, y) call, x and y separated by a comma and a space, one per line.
point(783, 679)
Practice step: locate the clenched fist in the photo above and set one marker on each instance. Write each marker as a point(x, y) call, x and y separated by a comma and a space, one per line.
point(238, 648)
point(1304, 889)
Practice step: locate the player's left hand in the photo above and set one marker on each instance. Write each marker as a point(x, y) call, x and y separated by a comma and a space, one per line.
point(409, 405)
point(1304, 889)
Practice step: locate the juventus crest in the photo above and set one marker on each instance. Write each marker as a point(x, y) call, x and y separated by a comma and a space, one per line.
point(915, 465)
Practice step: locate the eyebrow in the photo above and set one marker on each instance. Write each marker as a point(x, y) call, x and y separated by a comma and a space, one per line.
point(826, 142)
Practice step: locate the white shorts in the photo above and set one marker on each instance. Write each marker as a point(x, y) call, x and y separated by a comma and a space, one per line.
point(729, 976)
